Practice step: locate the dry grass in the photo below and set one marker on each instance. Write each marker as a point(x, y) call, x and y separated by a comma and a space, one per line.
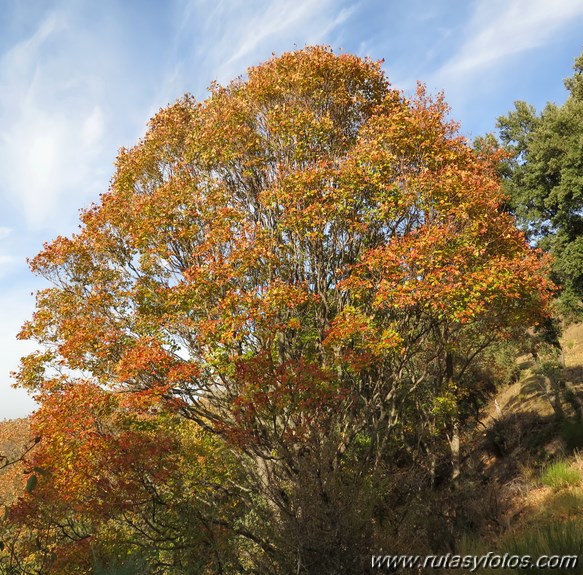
point(572, 342)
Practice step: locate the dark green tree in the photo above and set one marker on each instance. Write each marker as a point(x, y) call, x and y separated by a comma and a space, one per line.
point(544, 180)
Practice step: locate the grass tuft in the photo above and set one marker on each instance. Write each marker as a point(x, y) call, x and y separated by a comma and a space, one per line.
point(560, 475)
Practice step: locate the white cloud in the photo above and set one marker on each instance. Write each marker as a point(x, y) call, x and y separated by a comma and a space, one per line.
point(502, 28)
point(51, 126)
point(5, 259)
point(93, 126)
point(15, 402)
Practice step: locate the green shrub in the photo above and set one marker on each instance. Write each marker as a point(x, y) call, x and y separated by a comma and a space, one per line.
point(560, 475)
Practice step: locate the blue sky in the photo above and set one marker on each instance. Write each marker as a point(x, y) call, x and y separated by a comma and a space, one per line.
point(79, 79)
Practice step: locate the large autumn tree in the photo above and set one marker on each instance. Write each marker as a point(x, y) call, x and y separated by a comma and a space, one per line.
point(544, 180)
point(305, 265)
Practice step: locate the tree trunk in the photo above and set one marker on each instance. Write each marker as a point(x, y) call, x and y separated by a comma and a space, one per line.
point(554, 395)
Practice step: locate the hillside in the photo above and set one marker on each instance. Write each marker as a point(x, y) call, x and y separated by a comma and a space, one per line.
point(526, 458)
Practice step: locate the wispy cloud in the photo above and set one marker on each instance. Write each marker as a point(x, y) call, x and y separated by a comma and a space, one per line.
point(69, 100)
point(50, 128)
point(66, 94)
point(502, 28)
point(284, 17)
point(241, 34)
point(491, 54)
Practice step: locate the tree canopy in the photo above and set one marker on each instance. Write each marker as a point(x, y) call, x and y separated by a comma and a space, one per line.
point(545, 181)
point(301, 270)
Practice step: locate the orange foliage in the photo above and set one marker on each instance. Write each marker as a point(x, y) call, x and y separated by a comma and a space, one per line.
point(284, 263)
